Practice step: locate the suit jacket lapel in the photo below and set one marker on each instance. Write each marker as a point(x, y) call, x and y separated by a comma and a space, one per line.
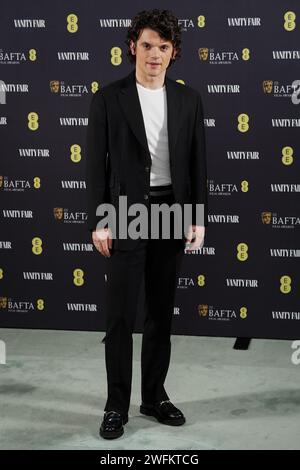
point(175, 109)
point(130, 104)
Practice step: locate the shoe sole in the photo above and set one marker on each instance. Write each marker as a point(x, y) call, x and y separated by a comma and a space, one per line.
point(169, 422)
point(111, 434)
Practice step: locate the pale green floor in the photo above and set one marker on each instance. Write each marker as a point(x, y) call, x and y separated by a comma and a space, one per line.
point(53, 390)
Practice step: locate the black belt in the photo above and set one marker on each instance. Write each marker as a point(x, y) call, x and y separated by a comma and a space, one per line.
point(161, 190)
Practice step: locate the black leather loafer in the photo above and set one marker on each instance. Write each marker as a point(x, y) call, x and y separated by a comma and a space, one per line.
point(112, 425)
point(165, 412)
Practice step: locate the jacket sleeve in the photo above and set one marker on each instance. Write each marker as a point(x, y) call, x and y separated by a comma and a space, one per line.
point(96, 156)
point(198, 168)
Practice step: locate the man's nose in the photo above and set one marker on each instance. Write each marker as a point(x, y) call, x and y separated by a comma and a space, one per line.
point(155, 53)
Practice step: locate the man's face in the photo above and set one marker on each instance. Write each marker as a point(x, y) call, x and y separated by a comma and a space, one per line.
point(152, 49)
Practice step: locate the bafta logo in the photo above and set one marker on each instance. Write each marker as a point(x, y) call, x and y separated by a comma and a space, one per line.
point(203, 53)
point(58, 213)
point(268, 86)
point(1, 181)
point(54, 86)
point(3, 302)
point(266, 217)
point(202, 310)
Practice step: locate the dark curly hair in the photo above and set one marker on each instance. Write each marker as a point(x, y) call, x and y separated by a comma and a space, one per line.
point(164, 22)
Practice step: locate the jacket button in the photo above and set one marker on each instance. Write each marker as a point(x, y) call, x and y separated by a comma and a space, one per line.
point(146, 196)
point(147, 168)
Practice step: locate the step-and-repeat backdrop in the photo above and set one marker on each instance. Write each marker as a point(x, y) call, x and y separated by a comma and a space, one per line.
point(244, 58)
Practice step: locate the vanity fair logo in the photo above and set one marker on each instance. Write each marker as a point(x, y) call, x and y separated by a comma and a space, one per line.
point(204, 251)
point(76, 246)
point(183, 23)
point(242, 155)
point(222, 89)
point(17, 214)
point(73, 56)
point(37, 276)
point(81, 307)
point(31, 152)
point(223, 219)
point(284, 252)
point(288, 54)
point(5, 245)
point(244, 21)
point(13, 87)
point(209, 122)
point(285, 315)
point(114, 22)
point(73, 184)
point(241, 283)
point(285, 122)
point(285, 188)
point(73, 121)
point(29, 23)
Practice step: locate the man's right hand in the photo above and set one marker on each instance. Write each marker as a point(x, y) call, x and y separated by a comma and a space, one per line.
point(103, 241)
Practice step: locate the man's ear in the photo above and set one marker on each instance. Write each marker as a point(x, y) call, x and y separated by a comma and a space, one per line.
point(132, 47)
point(174, 54)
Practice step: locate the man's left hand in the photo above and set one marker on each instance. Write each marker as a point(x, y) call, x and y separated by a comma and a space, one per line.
point(195, 237)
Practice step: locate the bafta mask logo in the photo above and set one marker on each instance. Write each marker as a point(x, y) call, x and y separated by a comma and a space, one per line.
point(54, 86)
point(203, 53)
point(202, 310)
point(266, 217)
point(3, 302)
point(1, 181)
point(58, 213)
point(268, 86)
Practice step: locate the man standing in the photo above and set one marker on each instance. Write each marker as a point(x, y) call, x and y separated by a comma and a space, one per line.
point(145, 141)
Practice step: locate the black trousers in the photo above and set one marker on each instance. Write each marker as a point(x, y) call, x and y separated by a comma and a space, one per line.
point(157, 261)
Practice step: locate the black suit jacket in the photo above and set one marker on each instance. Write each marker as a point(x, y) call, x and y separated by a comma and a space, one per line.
point(118, 159)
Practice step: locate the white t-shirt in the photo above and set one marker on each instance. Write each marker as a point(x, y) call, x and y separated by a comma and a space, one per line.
point(154, 110)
